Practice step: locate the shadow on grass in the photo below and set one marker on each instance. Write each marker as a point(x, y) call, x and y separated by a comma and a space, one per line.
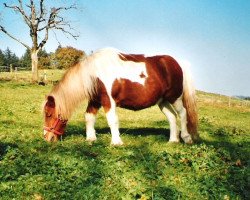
point(4, 147)
point(141, 131)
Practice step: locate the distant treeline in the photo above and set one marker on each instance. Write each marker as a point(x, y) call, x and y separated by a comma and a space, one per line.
point(62, 58)
point(244, 98)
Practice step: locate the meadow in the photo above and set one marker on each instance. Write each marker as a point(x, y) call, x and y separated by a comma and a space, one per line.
point(146, 167)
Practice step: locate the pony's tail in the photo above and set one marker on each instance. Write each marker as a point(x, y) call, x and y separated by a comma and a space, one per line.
point(189, 102)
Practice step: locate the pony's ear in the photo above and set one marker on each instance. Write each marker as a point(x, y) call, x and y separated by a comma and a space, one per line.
point(51, 101)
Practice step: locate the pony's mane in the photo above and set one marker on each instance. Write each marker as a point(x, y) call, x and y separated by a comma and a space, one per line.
point(80, 81)
point(77, 84)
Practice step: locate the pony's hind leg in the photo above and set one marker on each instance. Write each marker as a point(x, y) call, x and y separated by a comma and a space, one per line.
point(168, 111)
point(178, 105)
point(90, 118)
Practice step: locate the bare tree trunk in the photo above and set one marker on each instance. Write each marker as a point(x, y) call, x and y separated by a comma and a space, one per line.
point(34, 61)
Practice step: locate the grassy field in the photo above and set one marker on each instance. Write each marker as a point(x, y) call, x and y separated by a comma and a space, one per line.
point(146, 167)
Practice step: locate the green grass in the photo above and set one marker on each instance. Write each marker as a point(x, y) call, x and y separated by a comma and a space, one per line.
point(146, 167)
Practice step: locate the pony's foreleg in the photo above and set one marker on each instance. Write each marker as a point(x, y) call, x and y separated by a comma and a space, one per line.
point(113, 123)
point(90, 118)
point(178, 105)
point(90, 130)
point(167, 110)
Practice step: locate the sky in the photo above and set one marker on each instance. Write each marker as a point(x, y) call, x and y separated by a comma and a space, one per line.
point(212, 35)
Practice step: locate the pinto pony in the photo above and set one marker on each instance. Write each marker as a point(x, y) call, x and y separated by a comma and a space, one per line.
point(109, 78)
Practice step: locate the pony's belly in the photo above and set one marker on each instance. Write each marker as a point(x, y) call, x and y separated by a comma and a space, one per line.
point(134, 105)
point(135, 96)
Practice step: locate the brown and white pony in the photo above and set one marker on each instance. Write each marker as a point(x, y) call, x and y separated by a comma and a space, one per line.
point(109, 78)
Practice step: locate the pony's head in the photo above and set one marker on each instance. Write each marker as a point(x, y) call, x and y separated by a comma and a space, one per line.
point(54, 125)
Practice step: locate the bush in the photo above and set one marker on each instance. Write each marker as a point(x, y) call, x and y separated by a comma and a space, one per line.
point(65, 57)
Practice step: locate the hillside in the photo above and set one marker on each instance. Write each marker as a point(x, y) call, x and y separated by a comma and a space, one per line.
point(146, 167)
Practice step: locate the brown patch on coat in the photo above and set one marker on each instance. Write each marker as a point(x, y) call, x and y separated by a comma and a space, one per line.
point(50, 111)
point(132, 57)
point(142, 75)
point(101, 98)
point(165, 80)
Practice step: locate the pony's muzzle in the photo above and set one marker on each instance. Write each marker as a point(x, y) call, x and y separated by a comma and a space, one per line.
point(50, 136)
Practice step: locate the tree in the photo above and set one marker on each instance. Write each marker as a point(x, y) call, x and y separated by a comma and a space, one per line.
point(44, 59)
point(25, 60)
point(65, 57)
point(1, 58)
point(10, 58)
point(40, 20)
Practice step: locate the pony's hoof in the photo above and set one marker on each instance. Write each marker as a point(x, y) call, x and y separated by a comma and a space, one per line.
point(188, 140)
point(174, 141)
point(91, 139)
point(117, 143)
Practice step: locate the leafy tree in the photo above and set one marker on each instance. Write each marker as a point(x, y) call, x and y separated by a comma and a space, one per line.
point(25, 60)
point(1, 58)
point(10, 58)
point(59, 47)
point(65, 57)
point(39, 19)
point(44, 59)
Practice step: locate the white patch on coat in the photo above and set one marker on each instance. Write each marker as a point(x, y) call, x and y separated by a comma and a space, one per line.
point(109, 67)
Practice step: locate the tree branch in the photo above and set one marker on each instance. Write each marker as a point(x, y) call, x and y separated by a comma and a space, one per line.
point(56, 22)
point(21, 11)
point(11, 36)
point(66, 32)
point(42, 12)
point(45, 39)
point(66, 8)
point(33, 17)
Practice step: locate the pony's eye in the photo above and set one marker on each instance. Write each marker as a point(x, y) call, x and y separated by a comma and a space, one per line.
point(48, 114)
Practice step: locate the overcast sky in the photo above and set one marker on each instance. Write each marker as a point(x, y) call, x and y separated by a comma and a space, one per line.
point(213, 35)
